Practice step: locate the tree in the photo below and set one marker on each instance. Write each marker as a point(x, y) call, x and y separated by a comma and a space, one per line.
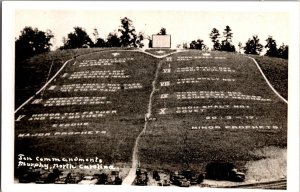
point(214, 36)
point(226, 43)
point(253, 46)
point(193, 44)
point(271, 46)
point(240, 45)
point(78, 39)
point(99, 42)
point(162, 31)
point(227, 34)
point(205, 48)
point(283, 51)
point(96, 34)
point(128, 34)
point(113, 40)
point(184, 45)
point(226, 46)
point(150, 43)
point(139, 40)
point(199, 44)
point(31, 42)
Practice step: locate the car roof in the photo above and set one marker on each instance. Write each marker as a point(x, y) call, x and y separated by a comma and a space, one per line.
point(88, 176)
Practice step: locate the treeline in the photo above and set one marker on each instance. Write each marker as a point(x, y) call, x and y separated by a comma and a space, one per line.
point(252, 46)
point(125, 36)
point(32, 41)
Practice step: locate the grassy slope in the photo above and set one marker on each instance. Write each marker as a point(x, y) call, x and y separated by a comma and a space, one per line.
point(276, 70)
point(203, 146)
point(28, 83)
point(122, 129)
point(31, 74)
point(162, 51)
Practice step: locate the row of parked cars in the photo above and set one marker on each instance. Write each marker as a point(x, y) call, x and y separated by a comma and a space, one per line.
point(186, 178)
point(39, 176)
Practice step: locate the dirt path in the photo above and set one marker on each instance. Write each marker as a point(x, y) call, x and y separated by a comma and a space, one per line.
point(131, 175)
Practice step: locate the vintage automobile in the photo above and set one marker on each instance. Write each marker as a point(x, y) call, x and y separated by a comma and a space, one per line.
point(113, 178)
point(75, 178)
point(193, 177)
point(63, 178)
point(43, 177)
point(180, 181)
point(28, 176)
point(164, 181)
point(109, 178)
point(88, 180)
point(47, 176)
point(223, 171)
point(237, 176)
point(102, 178)
point(141, 177)
point(156, 176)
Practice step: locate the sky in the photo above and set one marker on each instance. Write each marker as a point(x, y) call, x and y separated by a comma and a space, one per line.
point(182, 25)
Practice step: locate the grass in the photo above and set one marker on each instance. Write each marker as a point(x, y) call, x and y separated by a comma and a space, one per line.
point(113, 147)
point(276, 70)
point(169, 143)
point(31, 74)
point(159, 52)
point(165, 146)
point(121, 129)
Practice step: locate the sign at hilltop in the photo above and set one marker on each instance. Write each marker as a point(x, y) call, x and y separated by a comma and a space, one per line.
point(161, 41)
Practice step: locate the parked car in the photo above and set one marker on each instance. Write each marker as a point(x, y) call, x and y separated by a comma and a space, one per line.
point(180, 181)
point(237, 176)
point(193, 177)
point(118, 180)
point(141, 177)
point(102, 178)
point(109, 178)
point(113, 178)
point(223, 171)
point(43, 177)
point(63, 178)
point(75, 178)
point(28, 176)
point(88, 180)
point(156, 176)
point(164, 181)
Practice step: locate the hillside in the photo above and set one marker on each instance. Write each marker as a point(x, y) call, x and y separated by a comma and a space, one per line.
point(276, 70)
point(95, 107)
point(32, 73)
point(168, 113)
point(213, 107)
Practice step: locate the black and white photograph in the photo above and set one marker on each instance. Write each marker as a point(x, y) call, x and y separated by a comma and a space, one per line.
point(150, 95)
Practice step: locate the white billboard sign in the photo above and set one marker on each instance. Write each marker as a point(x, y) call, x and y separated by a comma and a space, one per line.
point(161, 41)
